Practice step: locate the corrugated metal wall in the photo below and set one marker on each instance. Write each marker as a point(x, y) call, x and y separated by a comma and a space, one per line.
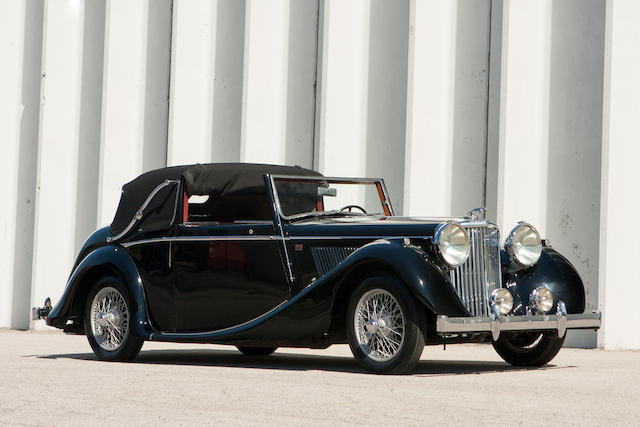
point(456, 104)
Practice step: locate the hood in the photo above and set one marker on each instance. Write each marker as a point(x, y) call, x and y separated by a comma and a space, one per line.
point(368, 226)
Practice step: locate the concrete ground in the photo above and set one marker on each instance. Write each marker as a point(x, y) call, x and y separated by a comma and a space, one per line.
point(47, 378)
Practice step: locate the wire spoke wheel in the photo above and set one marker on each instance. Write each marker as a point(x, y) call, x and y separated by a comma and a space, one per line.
point(379, 325)
point(528, 349)
point(109, 317)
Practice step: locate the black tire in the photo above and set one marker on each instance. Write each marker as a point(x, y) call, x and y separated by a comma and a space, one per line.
point(256, 351)
point(129, 347)
point(528, 349)
point(405, 357)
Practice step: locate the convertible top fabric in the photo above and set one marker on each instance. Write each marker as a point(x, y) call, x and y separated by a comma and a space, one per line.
point(218, 180)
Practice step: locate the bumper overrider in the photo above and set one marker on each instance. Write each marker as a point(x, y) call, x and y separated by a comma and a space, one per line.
point(560, 322)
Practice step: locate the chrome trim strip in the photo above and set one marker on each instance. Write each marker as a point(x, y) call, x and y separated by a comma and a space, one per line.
point(328, 178)
point(259, 237)
point(455, 325)
point(278, 225)
point(138, 216)
point(378, 237)
point(198, 239)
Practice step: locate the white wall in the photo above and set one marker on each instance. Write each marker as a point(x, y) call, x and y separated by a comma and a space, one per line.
point(456, 104)
point(134, 97)
point(342, 94)
point(575, 142)
point(20, 44)
point(620, 201)
point(550, 126)
point(206, 81)
point(67, 165)
point(524, 114)
point(447, 107)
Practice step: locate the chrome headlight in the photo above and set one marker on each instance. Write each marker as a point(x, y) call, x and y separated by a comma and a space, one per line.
point(502, 300)
point(524, 245)
point(452, 243)
point(541, 300)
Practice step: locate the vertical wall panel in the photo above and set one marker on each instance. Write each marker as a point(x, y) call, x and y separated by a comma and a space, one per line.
point(343, 89)
point(135, 101)
point(550, 127)
point(493, 111)
point(206, 81)
point(278, 76)
point(70, 108)
point(20, 44)
point(387, 95)
point(575, 142)
point(264, 97)
point(446, 107)
point(619, 249)
point(301, 79)
point(524, 114)
point(90, 121)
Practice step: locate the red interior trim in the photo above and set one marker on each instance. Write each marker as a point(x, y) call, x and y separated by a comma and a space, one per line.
point(383, 199)
point(185, 206)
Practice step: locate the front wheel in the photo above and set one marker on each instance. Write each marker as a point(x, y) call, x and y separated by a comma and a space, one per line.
point(528, 348)
point(384, 326)
point(108, 322)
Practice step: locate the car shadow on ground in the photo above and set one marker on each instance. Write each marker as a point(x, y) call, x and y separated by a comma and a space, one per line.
point(281, 360)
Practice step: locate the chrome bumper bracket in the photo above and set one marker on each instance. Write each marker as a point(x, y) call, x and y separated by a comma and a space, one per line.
point(38, 313)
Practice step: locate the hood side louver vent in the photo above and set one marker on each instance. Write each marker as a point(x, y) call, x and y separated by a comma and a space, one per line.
point(328, 258)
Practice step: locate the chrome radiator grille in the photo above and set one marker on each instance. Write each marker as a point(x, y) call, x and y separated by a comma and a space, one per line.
point(474, 280)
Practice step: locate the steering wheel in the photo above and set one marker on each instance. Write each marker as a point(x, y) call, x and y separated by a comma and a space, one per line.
point(349, 207)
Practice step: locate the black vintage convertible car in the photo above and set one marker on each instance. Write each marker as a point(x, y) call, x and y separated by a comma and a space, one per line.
point(263, 256)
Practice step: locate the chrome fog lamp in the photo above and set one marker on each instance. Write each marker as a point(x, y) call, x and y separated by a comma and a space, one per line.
point(502, 300)
point(541, 300)
point(524, 245)
point(452, 243)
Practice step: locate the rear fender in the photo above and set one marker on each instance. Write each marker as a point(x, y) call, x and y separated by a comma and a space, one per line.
point(111, 259)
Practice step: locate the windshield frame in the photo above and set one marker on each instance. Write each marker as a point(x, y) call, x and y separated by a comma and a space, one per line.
point(379, 182)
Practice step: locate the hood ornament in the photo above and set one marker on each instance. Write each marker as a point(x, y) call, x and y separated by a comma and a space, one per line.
point(477, 213)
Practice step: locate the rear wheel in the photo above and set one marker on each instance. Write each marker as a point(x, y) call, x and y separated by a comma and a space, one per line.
point(108, 322)
point(529, 348)
point(256, 351)
point(384, 326)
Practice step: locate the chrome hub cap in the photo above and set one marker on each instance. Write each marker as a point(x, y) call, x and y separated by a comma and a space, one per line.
point(379, 325)
point(109, 319)
point(372, 326)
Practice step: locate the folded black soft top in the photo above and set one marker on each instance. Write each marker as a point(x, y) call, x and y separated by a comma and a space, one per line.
point(213, 179)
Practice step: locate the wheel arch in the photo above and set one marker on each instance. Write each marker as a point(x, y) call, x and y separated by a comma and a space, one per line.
point(347, 285)
point(110, 260)
point(424, 280)
point(555, 272)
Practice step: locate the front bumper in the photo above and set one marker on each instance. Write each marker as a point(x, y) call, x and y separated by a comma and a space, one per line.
point(495, 324)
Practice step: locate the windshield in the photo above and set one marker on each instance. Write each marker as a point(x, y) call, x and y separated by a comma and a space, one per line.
point(304, 197)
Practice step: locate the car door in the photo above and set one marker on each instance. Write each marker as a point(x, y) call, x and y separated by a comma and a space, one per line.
point(226, 274)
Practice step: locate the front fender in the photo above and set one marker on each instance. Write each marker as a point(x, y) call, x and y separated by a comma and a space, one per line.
point(424, 278)
point(111, 259)
point(553, 271)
